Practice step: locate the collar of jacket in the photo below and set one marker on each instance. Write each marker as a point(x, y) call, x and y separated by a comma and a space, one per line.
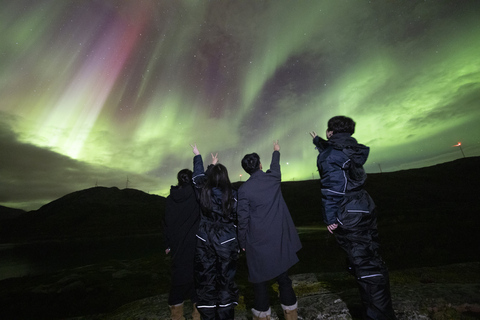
point(342, 140)
point(256, 173)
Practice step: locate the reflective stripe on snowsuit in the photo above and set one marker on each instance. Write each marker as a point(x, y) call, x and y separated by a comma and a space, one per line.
point(215, 266)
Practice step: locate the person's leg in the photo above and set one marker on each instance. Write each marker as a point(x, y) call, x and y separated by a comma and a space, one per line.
point(226, 248)
point(261, 301)
point(195, 313)
point(192, 293)
point(261, 315)
point(205, 279)
point(176, 312)
point(175, 301)
point(288, 299)
point(361, 246)
point(373, 278)
point(176, 295)
point(287, 294)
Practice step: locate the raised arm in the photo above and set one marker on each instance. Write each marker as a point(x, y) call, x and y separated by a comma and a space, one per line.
point(320, 143)
point(275, 164)
point(198, 176)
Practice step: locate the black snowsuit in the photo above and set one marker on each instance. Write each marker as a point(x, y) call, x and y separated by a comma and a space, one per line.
point(216, 254)
point(346, 203)
point(182, 217)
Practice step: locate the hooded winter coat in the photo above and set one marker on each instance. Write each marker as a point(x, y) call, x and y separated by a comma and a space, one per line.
point(340, 163)
point(182, 217)
point(347, 204)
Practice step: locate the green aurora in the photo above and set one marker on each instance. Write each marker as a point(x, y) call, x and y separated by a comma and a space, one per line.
point(112, 93)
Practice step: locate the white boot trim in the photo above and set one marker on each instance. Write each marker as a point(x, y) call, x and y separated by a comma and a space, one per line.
point(176, 305)
point(262, 314)
point(289, 308)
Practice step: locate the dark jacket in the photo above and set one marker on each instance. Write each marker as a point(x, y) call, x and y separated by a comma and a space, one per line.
point(216, 252)
point(340, 164)
point(215, 213)
point(182, 217)
point(265, 227)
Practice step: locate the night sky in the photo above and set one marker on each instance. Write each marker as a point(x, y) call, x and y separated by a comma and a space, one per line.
point(112, 93)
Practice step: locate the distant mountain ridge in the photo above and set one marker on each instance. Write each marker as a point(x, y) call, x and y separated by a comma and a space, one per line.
point(93, 212)
point(113, 212)
point(7, 213)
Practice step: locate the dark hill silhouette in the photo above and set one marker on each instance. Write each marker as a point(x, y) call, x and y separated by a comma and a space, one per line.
point(449, 188)
point(94, 212)
point(446, 186)
point(429, 218)
point(451, 184)
point(7, 213)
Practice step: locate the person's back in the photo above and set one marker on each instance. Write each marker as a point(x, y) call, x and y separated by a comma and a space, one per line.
point(181, 218)
point(350, 214)
point(267, 234)
point(265, 198)
point(181, 221)
point(217, 246)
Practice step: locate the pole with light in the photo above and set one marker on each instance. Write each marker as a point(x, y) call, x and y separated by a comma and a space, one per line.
point(460, 146)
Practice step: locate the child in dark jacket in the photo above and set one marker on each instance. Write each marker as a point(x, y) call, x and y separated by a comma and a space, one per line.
point(217, 246)
point(182, 217)
point(349, 212)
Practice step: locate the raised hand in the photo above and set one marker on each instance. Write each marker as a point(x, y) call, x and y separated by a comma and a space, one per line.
point(276, 146)
point(195, 149)
point(214, 158)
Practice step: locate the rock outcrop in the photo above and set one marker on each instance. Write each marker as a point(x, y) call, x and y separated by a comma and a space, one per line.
point(411, 302)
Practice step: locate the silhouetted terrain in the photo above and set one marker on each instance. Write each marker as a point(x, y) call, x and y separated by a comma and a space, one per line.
point(403, 196)
point(428, 217)
point(10, 213)
point(89, 213)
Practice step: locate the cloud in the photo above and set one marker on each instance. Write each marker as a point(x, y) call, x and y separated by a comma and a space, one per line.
point(32, 175)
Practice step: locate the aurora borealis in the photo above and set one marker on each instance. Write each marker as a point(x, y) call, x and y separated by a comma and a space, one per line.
point(111, 93)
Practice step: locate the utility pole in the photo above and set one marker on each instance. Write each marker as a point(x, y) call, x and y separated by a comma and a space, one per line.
point(460, 146)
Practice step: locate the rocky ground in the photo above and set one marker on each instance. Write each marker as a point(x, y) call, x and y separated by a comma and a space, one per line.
point(423, 293)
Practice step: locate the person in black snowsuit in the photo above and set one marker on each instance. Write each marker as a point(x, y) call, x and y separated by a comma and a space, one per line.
point(182, 217)
point(217, 248)
point(349, 212)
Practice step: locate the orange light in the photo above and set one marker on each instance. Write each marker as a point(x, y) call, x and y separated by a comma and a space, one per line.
point(458, 144)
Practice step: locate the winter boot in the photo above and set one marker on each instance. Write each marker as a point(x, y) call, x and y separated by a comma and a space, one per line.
point(177, 312)
point(290, 312)
point(261, 315)
point(195, 313)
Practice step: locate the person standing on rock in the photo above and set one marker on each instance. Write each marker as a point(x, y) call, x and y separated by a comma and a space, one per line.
point(349, 212)
point(267, 235)
point(217, 248)
point(182, 217)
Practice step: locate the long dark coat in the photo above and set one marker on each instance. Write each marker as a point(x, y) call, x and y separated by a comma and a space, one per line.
point(182, 217)
point(265, 227)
